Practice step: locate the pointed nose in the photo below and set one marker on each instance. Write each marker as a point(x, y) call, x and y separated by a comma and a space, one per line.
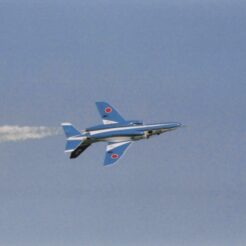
point(176, 125)
point(171, 125)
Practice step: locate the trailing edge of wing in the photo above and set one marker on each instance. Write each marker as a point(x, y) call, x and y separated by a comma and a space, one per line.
point(115, 151)
point(108, 113)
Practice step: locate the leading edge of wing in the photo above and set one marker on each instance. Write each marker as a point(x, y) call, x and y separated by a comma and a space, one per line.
point(115, 151)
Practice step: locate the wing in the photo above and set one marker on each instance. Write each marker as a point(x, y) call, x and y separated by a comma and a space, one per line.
point(108, 113)
point(115, 151)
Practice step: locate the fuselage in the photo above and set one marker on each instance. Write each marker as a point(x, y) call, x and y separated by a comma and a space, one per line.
point(130, 131)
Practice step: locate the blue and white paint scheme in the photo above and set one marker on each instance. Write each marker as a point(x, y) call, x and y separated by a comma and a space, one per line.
point(115, 130)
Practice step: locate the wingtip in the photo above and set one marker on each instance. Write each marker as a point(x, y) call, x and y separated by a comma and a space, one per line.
point(100, 102)
point(66, 124)
point(106, 164)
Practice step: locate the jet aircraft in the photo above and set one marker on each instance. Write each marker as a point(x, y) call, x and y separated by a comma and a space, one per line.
point(115, 130)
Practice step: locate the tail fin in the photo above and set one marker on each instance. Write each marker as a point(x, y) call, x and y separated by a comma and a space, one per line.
point(75, 140)
point(69, 130)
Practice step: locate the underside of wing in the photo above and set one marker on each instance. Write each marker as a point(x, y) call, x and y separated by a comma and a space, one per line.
point(108, 114)
point(115, 151)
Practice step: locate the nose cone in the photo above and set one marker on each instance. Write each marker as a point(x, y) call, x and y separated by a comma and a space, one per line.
point(175, 125)
point(178, 124)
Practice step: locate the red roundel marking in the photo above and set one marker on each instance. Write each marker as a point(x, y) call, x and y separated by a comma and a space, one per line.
point(114, 156)
point(108, 110)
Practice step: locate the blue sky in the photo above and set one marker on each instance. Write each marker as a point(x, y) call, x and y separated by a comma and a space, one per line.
point(155, 61)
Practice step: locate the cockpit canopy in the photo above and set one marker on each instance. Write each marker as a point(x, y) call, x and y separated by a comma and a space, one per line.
point(135, 122)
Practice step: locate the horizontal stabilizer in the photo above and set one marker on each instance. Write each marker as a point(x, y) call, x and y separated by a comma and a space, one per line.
point(71, 145)
point(69, 130)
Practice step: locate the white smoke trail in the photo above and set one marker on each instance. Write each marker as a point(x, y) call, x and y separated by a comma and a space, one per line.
point(21, 133)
